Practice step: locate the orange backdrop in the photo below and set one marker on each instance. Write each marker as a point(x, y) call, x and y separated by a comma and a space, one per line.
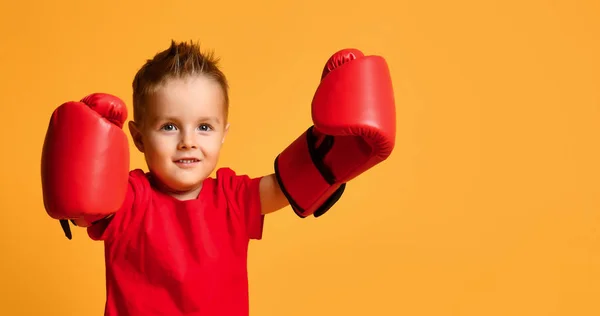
point(489, 205)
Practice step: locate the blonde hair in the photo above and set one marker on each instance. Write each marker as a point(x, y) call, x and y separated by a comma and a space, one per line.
point(179, 60)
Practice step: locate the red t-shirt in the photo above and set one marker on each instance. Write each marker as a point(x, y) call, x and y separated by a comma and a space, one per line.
point(170, 257)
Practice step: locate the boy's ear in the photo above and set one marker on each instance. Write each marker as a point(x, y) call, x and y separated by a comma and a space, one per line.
point(225, 133)
point(136, 135)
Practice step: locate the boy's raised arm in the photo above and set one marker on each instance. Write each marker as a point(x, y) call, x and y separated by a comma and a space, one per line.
point(85, 161)
point(271, 197)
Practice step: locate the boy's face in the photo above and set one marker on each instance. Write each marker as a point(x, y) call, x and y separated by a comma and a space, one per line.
point(182, 132)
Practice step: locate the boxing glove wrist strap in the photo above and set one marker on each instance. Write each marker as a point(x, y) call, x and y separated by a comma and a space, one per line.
point(304, 178)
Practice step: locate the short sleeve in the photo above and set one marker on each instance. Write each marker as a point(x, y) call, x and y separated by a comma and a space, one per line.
point(243, 197)
point(107, 229)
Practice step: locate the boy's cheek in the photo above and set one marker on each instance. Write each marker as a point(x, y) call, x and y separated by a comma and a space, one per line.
point(159, 142)
point(215, 147)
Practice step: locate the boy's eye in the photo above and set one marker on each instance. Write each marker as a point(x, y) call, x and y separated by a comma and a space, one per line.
point(204, 127)
point(168, 127)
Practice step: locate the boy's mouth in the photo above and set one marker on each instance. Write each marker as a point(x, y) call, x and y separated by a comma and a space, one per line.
point(186, 162)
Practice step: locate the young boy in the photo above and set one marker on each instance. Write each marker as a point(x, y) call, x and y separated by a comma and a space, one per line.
point(176, 239)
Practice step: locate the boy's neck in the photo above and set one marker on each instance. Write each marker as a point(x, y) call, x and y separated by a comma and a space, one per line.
point(179, 195)
point(184, 196)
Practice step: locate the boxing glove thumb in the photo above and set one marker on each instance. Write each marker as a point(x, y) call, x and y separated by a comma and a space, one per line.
point(108, 106)
point(341, 57)
point(336, 60)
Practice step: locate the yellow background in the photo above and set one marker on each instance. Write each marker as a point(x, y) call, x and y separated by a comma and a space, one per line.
point(489, 205)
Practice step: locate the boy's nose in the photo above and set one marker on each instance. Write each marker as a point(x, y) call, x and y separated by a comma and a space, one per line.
point(188, 141)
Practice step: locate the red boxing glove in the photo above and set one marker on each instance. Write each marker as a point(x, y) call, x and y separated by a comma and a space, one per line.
point(354, 116)
point(85, 161)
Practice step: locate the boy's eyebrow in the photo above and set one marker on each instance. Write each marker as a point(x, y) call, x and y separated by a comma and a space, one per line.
point(201, 119)
point(211, 118)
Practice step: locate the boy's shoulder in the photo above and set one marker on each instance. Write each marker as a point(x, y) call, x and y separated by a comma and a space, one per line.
point(228, 175)
point(224, 172)
point(139, 176)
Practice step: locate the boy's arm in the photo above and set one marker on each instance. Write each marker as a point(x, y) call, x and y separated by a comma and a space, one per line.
point(85, 161)
point(271, 197)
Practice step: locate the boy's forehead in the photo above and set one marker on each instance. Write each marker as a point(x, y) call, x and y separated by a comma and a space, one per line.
point(187, 98)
